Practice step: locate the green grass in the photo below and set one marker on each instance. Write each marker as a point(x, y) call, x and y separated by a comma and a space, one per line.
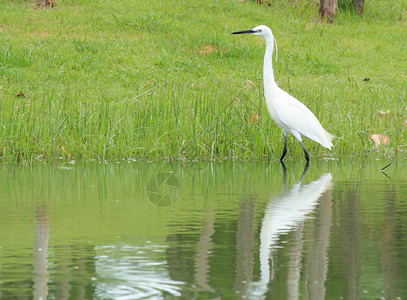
point(166, 79)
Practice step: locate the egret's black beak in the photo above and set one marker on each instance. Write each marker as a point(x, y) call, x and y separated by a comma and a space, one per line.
point(244, 31)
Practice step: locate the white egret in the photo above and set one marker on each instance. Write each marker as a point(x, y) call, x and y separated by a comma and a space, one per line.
point(289, 114)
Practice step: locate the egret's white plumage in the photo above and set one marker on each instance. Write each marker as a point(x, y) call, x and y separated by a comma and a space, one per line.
point(290, 115)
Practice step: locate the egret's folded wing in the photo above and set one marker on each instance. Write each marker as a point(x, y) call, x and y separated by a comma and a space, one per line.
point(297, 116)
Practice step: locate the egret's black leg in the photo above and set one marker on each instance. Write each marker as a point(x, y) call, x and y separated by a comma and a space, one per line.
point(285, 148)
point(305, 152)
point(304, 172)
point(284, 174)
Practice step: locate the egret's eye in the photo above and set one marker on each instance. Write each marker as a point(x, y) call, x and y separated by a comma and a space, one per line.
point(259, 30)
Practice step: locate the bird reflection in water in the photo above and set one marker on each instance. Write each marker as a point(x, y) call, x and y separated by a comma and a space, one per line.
point(285, 214)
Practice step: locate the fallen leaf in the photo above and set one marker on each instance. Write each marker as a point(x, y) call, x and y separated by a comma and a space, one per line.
point(380, 139)
point(254, 118)
point(207, 49)
point(383, 113)
point(249, 83)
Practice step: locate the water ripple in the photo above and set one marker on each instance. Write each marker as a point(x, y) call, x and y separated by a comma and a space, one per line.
point(133, 272)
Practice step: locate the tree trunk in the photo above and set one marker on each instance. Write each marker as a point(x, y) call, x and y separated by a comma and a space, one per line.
point(358, 5)
point(327, 9)
point(45, 4)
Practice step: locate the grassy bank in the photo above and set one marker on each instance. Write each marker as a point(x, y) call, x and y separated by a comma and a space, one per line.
point(159, 79)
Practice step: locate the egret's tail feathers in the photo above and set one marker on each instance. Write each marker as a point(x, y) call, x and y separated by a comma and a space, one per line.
point(329, 138)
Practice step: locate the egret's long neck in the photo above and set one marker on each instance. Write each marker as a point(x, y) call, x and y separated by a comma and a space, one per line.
point(268, 75)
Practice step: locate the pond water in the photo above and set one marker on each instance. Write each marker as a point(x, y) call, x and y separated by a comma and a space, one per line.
point(228, 230)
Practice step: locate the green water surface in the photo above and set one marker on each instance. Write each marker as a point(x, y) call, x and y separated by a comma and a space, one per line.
point(232, 230)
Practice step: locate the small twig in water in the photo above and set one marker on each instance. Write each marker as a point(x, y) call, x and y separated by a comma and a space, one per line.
point(395, 153)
